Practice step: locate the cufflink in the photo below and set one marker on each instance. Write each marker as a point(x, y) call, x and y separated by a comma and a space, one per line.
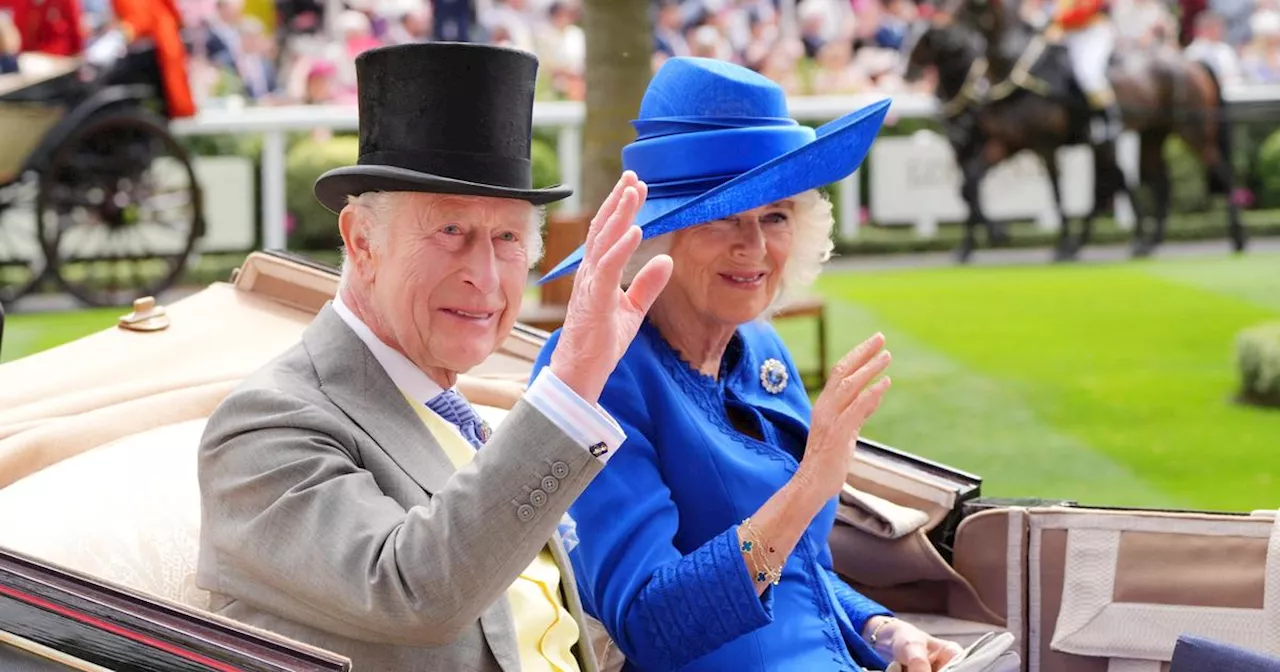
point(599, 449)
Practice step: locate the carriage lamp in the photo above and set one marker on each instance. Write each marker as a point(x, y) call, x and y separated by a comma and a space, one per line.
point(146, 316)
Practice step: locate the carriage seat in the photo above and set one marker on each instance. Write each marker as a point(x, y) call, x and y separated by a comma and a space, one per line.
point(34, 68)
point(127, 512)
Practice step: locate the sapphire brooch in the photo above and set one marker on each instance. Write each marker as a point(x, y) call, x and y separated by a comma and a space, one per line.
point(773, 376)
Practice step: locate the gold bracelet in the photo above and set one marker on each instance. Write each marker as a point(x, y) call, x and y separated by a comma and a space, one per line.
point(875, 634)
point(751, 547)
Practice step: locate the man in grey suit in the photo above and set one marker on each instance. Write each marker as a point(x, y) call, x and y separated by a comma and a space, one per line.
point(351, 497)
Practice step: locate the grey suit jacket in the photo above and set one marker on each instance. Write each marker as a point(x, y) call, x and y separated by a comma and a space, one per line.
point(331, 515)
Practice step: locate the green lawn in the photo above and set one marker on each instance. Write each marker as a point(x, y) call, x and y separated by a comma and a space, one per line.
point(30, 333)
point(1110, 384)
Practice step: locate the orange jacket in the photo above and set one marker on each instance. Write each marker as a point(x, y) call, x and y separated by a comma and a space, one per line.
point(1074, 14)
point(161, 21)
point(47, 26)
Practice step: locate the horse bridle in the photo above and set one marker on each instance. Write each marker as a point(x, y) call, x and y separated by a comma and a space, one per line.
point(1020, 77)
point(968, 93)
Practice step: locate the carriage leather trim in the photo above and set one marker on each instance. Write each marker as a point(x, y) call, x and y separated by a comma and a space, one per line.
point(1090, 622)
point(1212, 571)
point(878, 516)
point(868, 560)
point(1132, 665)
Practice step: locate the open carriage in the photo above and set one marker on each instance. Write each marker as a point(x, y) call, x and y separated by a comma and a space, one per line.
point(100, 515)
point(90, 150)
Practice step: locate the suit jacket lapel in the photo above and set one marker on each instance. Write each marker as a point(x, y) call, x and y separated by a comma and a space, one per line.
point(352, 378)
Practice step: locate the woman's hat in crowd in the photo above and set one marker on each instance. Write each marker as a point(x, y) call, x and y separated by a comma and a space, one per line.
point(452, 118)
point(715, 139)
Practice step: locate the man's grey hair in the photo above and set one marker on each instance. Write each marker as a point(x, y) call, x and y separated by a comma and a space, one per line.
point(379, 207)
point(811, 246)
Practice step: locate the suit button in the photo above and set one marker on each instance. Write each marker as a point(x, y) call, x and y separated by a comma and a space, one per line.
point(538, 498)
point(525, 513)
point(550, 483)
point(560, 470)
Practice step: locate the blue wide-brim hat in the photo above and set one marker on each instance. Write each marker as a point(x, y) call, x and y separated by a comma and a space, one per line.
point(715, 139)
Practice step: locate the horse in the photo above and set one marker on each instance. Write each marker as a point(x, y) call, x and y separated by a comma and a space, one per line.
point(984, 133)
point(1160, 93)
point(955, 53)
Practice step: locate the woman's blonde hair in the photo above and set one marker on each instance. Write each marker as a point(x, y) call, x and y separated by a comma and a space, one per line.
point(811, 246)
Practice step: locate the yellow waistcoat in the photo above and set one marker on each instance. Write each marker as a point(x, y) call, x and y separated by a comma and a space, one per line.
point(545, 630)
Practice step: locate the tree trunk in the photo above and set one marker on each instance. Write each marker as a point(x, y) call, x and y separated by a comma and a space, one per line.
point(619, 48)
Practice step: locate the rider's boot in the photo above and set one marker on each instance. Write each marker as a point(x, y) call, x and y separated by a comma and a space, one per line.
point(1106, 124)
point(1105, 128)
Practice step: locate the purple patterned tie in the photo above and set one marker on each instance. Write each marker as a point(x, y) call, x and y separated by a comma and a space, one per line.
point(453, 407)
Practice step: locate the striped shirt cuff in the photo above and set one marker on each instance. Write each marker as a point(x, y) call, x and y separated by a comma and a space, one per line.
point(590, 426)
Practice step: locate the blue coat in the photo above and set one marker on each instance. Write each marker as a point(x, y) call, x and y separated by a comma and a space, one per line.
point(657, 560)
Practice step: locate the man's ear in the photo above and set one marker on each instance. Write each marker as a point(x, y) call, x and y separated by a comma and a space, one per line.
point(357, 232)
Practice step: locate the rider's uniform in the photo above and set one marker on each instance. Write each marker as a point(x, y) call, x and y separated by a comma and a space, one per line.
point(1090, 39)
point(161, 21)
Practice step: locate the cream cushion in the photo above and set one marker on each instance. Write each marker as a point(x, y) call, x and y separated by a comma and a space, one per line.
point(127, 512)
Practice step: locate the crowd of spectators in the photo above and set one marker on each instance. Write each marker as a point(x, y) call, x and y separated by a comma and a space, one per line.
point(304, 52)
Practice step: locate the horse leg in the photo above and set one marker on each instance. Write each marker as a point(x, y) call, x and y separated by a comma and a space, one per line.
point(1155, 173)
point(1235, 226)
point(1111, 183)
point(1065, 250)
point(974, 167)
point(1216, 149)
point(1105, 187)
point(1217, 162)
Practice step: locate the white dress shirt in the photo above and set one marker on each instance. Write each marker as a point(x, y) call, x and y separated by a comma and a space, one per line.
point(588, 425)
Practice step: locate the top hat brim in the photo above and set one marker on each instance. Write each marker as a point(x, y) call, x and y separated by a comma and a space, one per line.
point(840, 146)
point(333, 187)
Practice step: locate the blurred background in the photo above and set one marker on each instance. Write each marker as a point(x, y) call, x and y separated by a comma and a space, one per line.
point(1111, 381)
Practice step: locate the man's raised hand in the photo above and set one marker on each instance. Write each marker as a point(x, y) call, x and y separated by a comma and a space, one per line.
point(602, 319)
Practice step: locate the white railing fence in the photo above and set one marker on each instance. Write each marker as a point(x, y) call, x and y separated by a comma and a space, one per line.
point(273, 123)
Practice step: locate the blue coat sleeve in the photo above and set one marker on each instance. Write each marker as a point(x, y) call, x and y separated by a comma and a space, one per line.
point(663, 608)
point(858, 607)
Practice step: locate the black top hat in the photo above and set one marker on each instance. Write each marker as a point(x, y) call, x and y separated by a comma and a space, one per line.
point(452, 118)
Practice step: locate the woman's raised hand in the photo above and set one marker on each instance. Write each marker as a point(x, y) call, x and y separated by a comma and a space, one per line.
point(846, 402)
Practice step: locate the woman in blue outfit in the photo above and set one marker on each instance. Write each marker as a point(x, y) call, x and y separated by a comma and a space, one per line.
point(703, 543)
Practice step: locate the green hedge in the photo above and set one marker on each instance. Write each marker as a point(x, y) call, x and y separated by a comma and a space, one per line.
point(1268, 172)
point(314, 227)
point(1258, 358)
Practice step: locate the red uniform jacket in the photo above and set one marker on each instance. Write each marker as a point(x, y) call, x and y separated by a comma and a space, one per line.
point(160, 21)
point(47, 26)
point(1073, 14)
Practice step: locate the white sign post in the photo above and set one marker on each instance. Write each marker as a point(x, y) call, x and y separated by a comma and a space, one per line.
point(915, 180)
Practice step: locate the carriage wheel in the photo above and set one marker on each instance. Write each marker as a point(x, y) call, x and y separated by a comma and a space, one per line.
point(123, 209)
point(22, 252)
